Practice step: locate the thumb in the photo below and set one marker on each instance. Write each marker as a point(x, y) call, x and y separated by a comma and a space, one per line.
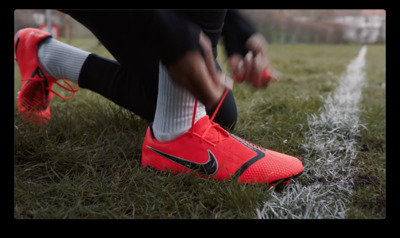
point(234, 62)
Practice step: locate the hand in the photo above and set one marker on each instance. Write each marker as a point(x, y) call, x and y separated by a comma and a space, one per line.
point(250, 67)
point(198, 74)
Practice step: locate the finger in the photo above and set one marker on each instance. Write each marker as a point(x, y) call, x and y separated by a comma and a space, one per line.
point(202, 86)
point(256, 70)
point(234, 62)
point(253, 69)
point(209, 58)
point(263, 72)
point(210, 91)
point(258, 44)
point(241, 71)
point(191, 73)
point(247, 66)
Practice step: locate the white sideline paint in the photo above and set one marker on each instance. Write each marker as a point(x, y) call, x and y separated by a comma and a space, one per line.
point(326, 184)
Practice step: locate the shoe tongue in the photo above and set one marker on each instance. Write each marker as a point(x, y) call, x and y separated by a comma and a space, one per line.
point(202, 124)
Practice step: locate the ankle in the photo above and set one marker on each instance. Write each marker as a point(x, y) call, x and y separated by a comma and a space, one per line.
point(162, 136)
point(60, 60)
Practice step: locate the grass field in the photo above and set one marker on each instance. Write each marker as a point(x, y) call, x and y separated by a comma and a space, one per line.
point(86, 162)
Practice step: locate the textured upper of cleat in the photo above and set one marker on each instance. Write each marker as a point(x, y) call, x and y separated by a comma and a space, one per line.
point(206, 142)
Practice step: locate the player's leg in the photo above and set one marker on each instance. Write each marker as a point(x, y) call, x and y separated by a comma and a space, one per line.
point(139, 61)
point(132, 80)
point(133, 83)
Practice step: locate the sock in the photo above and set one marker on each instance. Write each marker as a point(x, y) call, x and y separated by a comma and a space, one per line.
point(174, 109)
point(60, 60)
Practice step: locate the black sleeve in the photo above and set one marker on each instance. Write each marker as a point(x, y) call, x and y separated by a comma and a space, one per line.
point(237, 29)
point(174, 35)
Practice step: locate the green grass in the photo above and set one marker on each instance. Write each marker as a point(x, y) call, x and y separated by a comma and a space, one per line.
point(370, 189)
point(86, 162)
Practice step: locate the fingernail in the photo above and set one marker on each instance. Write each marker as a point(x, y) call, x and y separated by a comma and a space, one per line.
point(240, 64)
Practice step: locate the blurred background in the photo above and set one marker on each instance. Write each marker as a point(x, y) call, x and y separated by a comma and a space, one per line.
point(364, 26)
point(321, 26)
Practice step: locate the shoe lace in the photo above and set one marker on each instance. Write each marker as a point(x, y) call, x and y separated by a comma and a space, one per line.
point(70, 88)
point(212, 123)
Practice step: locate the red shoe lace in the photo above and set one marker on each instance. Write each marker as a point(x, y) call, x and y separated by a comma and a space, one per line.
point(69, 88)
point(264, 74)
point(212, 123)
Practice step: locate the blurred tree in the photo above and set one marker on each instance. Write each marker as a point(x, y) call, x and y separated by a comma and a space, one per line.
point(301, 26)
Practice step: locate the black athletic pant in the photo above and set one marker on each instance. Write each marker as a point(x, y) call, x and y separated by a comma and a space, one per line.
point(132, 81)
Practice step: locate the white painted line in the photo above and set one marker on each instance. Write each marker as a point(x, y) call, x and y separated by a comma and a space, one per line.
point(326, 185)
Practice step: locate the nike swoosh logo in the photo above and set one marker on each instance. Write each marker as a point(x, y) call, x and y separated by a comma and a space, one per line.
point(251, 161)
point(208, 168)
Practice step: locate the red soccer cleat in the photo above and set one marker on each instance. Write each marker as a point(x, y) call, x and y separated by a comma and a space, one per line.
point(208, 150)
point(36, 92)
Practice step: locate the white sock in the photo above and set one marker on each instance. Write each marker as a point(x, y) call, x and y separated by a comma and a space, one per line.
point(60, 60)
point(174, 109)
